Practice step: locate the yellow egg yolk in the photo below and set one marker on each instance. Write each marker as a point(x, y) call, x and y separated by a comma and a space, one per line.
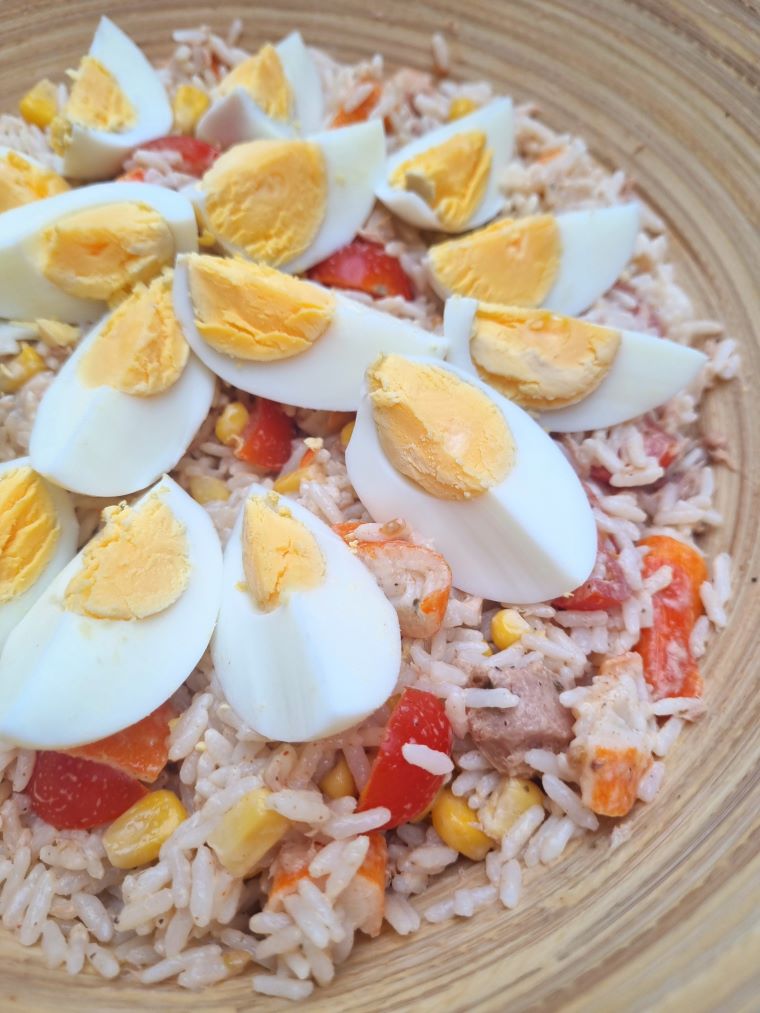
point(253, 312)
point(512, 261)
point(451, 177)
point(135, 567)
point(103, 252)
point(280, 554)
point(538, 359)
point(96, 102)
point(263, 77)
point(29, 531)
point(267, 198)
point(444, 434)
point(22, 182)
point(141, 349)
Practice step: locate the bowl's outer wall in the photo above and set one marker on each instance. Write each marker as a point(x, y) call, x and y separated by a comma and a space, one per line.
point(668, 91)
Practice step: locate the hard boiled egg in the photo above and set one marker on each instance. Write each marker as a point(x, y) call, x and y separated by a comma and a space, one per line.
point(274, 93)
point(306, 643)
point(117, 102)
point(119, 629)
point(562, 262)
point(67, 256)
point(23, 179)
point(289, 340)
point(126, 405)
point(448, 179)
point(455, 459)
point(291, 203)
point(576, 375)
point(38, 537)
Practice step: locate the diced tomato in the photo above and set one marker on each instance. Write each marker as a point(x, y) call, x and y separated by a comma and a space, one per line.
point(197, 156)
point(669, 666)
point(407, 790)
point(359, 113)
point(364, 267)
point(141, 750)
point(266, 439)
point(605, 588)
point(657, 443)
point(70, 793)
point(133, 176)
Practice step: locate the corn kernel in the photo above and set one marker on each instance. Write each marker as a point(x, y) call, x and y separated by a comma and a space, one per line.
point(461, 107)
point(21, 368)
point(513, 797)
point(507, 626)
point(188, 105)
point(346, 433)
point(206, 489)
point(231, 423)
point(457, 825)
point(40, 104)
point(56, 334)
point(339, 781)
point(236, 960)
point(292, 481)
point(247, 831)
point(135, 838)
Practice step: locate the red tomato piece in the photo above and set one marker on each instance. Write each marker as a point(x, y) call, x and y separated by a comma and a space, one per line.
point(359, 113)
point(197, 156)
point(407, 790)
point(657, 443)
point(70, 793)
point(605, 588)
point(364, 267)
point(141, 750)
point(669, 666)
point(267, 437)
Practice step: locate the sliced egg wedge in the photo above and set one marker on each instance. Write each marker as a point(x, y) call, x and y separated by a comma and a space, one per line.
point(306, 644)
point(574, 375)
point(116, 103)
point(439, 448)
point(562, 262)
point(448, 179)
point(283, 338)
point(67, 256)
point(23, 180)
point(38, 537)
point(119, 629)
point(276, 92)
point(125, 406)
point(290, 203)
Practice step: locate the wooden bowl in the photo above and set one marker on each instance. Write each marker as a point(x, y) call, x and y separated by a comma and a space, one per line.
point(665, 91)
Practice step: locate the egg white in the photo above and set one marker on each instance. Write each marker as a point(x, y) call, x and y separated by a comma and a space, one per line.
point(68, 679)
point(496, 121)
point(322, 660)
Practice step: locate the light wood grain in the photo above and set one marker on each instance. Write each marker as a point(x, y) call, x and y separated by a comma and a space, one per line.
point(669, 92)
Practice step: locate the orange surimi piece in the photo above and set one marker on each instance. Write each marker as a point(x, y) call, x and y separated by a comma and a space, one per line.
point(141, 750)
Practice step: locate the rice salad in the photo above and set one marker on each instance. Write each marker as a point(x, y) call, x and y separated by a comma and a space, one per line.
point(410, 668)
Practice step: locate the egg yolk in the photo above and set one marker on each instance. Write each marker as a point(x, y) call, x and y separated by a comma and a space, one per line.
point(95, 102)
point(253, 312)
point(29, 531)
point(444, 434)
point(512, 261)
point(263, 77)
point(141, 349)
point(103, 252)
point(21, 182)
point(538, 359)
point(267, 198)
point(135, 567)
point(450, 177)
point(280, 554)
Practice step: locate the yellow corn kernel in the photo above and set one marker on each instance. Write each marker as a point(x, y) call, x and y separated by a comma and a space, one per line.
point(346, 433)
point(56, 334)
point(135, 838)
point(461, 107)
point(188, 105)
point(339, 781)
point(236, 960)
point(247, 831)
point(513, 797)
point(22, 367)
point(231, 423)
point(507, 626)
point(292, 481)
point(206, 489)
point(40, 104)
point(457, 825)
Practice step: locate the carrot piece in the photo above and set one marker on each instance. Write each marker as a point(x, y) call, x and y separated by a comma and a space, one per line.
point(617, 775)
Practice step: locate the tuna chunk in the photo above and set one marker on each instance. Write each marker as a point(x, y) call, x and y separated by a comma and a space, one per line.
point(539, 721)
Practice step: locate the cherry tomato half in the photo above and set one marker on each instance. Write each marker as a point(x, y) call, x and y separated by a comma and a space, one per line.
point(364, 267)
point(267, 438)
point(75, 794)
